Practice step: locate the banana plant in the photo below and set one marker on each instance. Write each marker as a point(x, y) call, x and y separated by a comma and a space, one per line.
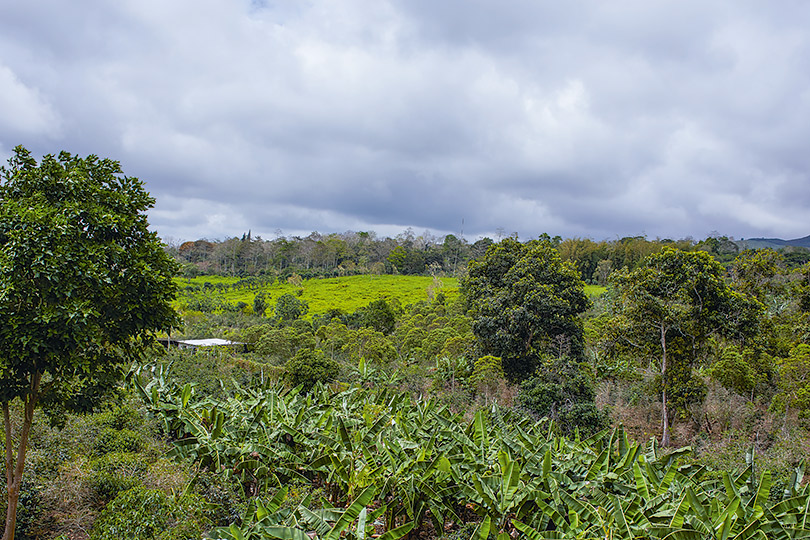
point(391, 462)
point(355, 522)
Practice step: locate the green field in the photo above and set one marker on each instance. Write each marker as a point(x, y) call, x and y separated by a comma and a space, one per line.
point(345, 293)
point(594, 290)
point(202, 280)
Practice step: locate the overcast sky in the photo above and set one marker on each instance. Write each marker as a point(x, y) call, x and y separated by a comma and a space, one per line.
point(581, 118)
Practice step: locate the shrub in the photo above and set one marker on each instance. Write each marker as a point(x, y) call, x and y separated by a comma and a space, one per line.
point(733, 372)
point(149, 514)
point(309, 367)
point(288, 308)
point(487, 375)
point(116, 472)
point(794, 382)
point(562, 392)
point(113, 440)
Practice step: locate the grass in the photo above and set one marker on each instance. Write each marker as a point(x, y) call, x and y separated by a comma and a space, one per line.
point(345, 293)
point(594, 290)
point(201, 280)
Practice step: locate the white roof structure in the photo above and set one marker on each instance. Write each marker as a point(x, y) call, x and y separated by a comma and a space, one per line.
point(211, 342)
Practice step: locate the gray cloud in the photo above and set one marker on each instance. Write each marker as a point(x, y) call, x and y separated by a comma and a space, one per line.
point(580, 119)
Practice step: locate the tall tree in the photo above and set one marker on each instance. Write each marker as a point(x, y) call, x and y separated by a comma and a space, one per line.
point(670, 305)
point(525, 302)
point(83, 284)
point(762, 274)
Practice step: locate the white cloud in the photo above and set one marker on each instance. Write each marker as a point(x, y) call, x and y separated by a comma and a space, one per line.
point(595, 119)
point(23, 109)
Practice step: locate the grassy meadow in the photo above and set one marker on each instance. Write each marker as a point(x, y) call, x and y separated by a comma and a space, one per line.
point(345, 293)
point(594, 290)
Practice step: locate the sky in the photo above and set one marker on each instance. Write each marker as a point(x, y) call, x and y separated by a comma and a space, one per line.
point(592, 119)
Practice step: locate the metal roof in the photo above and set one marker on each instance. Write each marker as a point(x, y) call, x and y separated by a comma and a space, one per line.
point(210, 342)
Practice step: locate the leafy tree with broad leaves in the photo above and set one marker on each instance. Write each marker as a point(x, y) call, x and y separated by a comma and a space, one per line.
point(525, 302)
point(83, 286)
point(763, 274)
point(669, 307)
point(378, 315)
point(794, 381)
point(289, 308)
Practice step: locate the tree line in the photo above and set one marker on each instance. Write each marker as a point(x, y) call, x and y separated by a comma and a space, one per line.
point(364, 252)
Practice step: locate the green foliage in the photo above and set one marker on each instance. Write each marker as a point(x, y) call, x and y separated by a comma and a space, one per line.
point(117, 440)
point(561, 391)
point(794, 381)
point(115, 472)
point(379, 315)
point(81, 273)
point(284, 342)
point(149, 514)
point(525, 301)
point(289, 308)
point(260, 303)
point(211, 374)
point(369, 344)
point(84, 283)
point(759, 273)
point(452, 372)
point(801, 288)
point(487, 375)
point(669, 307)
point(734, 372)
point(309, 367)
point(380, 457)
point(430, 332)
point(684, 386)
point(346, 294)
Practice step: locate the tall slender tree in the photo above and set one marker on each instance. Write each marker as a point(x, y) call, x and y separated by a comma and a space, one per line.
point(670, 305)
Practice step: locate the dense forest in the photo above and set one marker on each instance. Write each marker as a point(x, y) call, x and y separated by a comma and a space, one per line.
point(351, 253)
point(415, 388)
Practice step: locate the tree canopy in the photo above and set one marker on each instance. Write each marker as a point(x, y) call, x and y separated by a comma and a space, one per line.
point(670, 305)
point(83, 285)
point(525, 302)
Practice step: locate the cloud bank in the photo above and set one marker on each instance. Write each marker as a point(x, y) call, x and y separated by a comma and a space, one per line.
point(583, 118)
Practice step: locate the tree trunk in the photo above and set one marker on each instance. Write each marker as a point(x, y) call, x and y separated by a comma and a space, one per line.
point(14, 468)
point(664, 408)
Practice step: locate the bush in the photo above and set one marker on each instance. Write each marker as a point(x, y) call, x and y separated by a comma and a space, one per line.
point(224, 496)
point(310, 367)
point(288, 308)
point(112, 440)
point(487, 375)
point(149, 514)
point(562, 392)
point(116, 472)
point(733, 372)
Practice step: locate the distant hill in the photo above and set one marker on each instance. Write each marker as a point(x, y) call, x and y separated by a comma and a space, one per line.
point(775, 243)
